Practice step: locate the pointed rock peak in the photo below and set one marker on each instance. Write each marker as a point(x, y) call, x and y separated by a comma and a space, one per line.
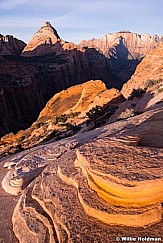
point(46, 24)
point(44, 41)
point(46, 29)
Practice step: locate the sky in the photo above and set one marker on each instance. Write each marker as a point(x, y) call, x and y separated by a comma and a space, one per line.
point(76, 20)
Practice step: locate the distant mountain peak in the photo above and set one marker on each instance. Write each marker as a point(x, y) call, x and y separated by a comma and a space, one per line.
point(43, 42)
point(46, 24)
point(47, 29)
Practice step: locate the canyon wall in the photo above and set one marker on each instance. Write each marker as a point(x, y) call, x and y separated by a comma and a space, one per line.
point(10, 45)
point(124, 49)
point(28, 83)
point(49, 64)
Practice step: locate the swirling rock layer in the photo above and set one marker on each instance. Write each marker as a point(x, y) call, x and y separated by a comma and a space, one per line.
point(95, 187)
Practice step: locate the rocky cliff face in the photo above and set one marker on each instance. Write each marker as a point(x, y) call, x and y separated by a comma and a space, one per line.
point(148, 74)
point(26, 92)
point(10, 45)
point(144, 90)
point(35, 77)
point(67, 112)
point(49, 65)
point(46, 40)
point(124, 50)
point(134, 45)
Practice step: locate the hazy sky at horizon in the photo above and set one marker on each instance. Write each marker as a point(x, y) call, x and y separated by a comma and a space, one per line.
point(76, 20)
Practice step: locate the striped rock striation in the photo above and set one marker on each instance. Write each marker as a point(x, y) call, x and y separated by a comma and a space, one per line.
point(95, 186)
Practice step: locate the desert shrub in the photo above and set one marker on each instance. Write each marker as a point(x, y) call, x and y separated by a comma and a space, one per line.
point(55, 120)
point(138, 93)
point(76, 128)
point(94, 113)
point(129, 112)
point(99, 114)
point(74, 114)
point(20, 140)
point(19, 148)
point(160, 90)
point(151, 82)
point(38, 125)
point(51, 135)
point(62, 118)
point(70, 126)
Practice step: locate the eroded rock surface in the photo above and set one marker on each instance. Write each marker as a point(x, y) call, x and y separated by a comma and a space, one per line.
point(124, 49)
point(95, 186)
point(10, 45)
point(148, 75)
point(46, 40)
point(64, 114)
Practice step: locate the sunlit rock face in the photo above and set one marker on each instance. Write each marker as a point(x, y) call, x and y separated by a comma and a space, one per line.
point(64, 112)
point(47, 66)
point(124, 49)
point(103, 180)
point(126, 45)
point(46, 40)
point(148, 75)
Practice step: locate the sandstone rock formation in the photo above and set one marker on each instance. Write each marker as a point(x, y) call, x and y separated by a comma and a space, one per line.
point(48, 65)
point(44, 76)
point(124, 50)
point(64, 114)
point(95, 186)
point(46, 40)
point(10, 45)
point(144, 90)
point(148, 75)
point(80, 98)
point(134, 46)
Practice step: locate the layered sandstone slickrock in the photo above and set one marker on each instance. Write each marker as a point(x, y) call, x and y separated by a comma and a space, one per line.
point(95, 186)
point(79, 98)
point(124, 49)
point(7, 205)
point(10, 45)
point(73, 103)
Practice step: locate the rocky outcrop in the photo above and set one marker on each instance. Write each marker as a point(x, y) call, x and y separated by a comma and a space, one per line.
point(45, 76)
point(47, 66)
point(80, 98)
point(93, 180)
point(45, 41)
point(144, 91)
point(65, 114)
point(148, 75)
point(124, 50)
point(126, 45)
point(10, 45)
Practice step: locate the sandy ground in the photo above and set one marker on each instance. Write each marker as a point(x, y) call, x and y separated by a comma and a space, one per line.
point(7, 205)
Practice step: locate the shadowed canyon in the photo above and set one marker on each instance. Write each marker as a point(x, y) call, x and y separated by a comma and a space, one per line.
point(81, 143)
